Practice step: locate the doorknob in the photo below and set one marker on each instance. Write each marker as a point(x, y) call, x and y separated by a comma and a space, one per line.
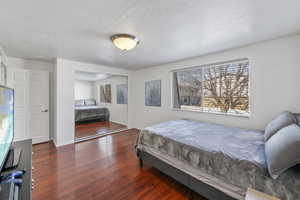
point(45, 110)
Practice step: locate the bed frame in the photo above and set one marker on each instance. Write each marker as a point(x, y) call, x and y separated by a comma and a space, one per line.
point(194, 184)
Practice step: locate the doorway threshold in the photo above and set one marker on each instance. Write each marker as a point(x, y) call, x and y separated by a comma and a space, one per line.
point(82, 139)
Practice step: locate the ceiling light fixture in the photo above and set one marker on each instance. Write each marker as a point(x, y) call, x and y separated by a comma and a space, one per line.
point(125, 41)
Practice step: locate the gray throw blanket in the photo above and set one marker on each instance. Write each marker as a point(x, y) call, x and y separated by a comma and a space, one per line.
point(228, 158)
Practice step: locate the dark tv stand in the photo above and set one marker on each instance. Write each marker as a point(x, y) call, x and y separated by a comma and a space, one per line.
point(13, 159)
point(24, 163)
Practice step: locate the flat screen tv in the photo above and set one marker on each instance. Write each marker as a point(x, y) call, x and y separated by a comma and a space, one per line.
point(6, 122)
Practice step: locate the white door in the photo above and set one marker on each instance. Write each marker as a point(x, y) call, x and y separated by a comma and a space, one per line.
point(39, 106)
point(18, 80)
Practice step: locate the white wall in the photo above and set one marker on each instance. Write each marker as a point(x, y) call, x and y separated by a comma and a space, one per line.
point(274, 79)
point(55, 101)
point(64, 105)
point(118, 112)
point(29, 64)
point(64, 95)
point(274, 82)
point(84, 89)
point(37, 65)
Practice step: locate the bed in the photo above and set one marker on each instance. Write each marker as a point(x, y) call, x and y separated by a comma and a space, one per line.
point(219, 162)
point(86, 110)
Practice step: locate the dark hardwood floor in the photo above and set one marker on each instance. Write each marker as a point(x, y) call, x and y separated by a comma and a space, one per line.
point(105, 168)
point(94, 128)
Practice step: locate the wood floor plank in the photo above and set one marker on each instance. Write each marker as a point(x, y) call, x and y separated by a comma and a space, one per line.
point(101, 169)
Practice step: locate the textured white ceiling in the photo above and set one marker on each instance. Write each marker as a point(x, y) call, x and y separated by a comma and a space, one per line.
point(169, 30)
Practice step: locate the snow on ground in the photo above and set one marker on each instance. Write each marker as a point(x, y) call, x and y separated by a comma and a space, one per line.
point(216, 110)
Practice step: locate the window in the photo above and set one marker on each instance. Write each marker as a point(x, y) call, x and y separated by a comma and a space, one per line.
point(215, 88)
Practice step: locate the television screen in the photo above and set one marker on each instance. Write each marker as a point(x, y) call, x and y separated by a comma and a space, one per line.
point(6, 122)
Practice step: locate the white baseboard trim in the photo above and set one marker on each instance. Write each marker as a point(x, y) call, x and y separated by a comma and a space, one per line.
point(122, 123)
point(54, 142)
point(40, 140)
point(63, 144)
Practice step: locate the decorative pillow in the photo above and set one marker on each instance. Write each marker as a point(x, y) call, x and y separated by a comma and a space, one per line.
point(90, 102)
point(79, 102)
point(282, 150)
point(297, 116)
point(284, 119)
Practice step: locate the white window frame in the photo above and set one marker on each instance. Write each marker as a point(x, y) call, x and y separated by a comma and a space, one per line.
point(200, 110)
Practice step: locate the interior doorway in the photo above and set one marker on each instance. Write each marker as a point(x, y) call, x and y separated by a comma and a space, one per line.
point(32, 104)
point(100, 104)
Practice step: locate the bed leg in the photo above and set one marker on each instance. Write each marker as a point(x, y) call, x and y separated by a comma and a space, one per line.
point(141, 163)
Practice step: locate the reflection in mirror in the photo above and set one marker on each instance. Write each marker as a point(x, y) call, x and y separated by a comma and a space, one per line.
point(100, 104)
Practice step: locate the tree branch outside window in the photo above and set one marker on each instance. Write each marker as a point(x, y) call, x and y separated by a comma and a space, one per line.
point(215, 88)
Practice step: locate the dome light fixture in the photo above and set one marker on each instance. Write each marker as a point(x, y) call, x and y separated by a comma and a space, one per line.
point(125, 42)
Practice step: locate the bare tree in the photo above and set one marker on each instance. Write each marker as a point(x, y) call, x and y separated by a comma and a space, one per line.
point(191, 85)
point(227, 87)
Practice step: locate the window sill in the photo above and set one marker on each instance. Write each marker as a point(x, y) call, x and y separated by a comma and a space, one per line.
point(153, 107)
point(214, 113)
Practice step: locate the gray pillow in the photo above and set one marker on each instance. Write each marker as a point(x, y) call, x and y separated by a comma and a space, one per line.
point(284, 119)
point(297, 116)
point(282, 150)
point(90, 102)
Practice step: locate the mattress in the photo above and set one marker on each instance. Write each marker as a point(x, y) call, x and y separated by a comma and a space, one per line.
point(227, 158)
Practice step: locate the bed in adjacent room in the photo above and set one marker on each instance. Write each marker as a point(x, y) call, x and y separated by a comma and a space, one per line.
point(227, 160)
point(87, 110)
